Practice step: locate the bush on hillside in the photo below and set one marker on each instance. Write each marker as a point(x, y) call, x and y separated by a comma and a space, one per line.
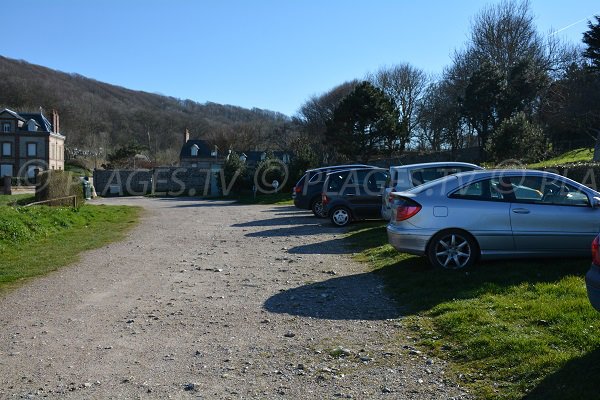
point(55, 184)
point(518, 138)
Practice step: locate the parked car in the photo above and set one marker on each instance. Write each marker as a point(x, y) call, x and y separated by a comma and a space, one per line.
point(308, 189)
point(592, 278)
point(458, 219)
point(354, 194)
point(404, 177)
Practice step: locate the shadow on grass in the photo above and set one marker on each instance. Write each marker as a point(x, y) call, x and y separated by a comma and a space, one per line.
point(577, 379)
point(354, 297)
point(418, 287)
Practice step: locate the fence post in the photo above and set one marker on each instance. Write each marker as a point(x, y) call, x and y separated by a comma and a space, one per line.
point(7, 183)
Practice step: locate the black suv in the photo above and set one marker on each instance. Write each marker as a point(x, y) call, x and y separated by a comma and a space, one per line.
point(307, 192)
point(354, 194)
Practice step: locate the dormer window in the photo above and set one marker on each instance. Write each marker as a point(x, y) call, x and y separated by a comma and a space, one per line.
point(194, 150)
point(31, 126)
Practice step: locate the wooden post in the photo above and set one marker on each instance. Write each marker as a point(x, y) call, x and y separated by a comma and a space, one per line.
point(7, 183)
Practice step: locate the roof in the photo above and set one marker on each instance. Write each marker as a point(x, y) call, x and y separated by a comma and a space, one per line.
point(257, 156)
point(13, 113)
point(39, 119)
point(204, 149)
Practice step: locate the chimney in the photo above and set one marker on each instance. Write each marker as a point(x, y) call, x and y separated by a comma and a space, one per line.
point(55, 121)
point(186, 136)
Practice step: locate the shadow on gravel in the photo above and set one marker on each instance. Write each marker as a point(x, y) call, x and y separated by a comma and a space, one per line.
point(290, 209)
point(288, 220)
point(193, 202)
point(333, 246)
point(354, 297)
point(303, 230)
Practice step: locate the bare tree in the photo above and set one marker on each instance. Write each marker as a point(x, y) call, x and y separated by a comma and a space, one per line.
point(405, 85)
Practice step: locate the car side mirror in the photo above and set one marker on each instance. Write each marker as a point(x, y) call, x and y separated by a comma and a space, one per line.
point(595, 202)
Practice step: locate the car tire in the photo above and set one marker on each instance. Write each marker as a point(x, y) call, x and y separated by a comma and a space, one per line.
point(340, 216)
point(318, 209)
point(452, 249)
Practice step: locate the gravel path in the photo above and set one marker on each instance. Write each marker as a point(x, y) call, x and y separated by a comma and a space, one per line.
point(213, 300)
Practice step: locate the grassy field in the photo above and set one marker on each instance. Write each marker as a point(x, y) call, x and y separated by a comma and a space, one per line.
point(510, 329)
point(59, 234)
point(16, 199)
point(573, 156)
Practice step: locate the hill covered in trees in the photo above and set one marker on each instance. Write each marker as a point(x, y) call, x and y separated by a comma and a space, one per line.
point(96, 115)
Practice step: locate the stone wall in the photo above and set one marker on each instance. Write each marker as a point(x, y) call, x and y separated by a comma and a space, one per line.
point(165, 181)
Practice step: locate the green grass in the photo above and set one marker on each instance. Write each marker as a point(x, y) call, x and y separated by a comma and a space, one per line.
point(508, 329)
point(573, 156)
point(36, 240)
point(16, 199)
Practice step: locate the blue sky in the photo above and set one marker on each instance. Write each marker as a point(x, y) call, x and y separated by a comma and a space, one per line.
point(255, 53)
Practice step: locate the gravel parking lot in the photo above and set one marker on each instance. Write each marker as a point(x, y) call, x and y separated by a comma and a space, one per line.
point(213, 300)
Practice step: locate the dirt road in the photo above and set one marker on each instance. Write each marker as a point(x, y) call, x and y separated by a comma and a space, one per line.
point(212, 300)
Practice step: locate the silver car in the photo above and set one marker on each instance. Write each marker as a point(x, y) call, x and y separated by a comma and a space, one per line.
point(458, 219)
point(404, 177)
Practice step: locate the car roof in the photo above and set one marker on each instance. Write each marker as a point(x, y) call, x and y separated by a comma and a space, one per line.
point(436, 164)
point(471, 176)
point(357, 169)
point(340, 167)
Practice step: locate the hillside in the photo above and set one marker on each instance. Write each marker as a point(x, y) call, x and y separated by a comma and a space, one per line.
point(99, 115)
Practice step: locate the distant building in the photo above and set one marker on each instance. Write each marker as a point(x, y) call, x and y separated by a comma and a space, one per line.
point(198, 153)
point(253, 158)
point(29, 142)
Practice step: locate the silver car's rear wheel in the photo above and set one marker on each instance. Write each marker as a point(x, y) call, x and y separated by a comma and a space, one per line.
point(453, 249)
point(341, 216)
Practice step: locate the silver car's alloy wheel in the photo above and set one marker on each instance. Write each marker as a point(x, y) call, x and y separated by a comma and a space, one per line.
point(340, 217)
point(452, 250)
point(318, 210)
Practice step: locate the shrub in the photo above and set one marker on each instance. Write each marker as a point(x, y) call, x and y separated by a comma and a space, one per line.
point(58, 184)
point(517, 138)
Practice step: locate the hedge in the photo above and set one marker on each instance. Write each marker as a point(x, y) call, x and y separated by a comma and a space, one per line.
point(55, 184)
point(585, 173)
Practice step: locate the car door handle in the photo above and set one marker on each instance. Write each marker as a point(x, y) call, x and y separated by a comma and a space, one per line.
point(520, 211)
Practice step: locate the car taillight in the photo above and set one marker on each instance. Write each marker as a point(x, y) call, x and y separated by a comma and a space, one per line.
point(298, 189)
point(324, 199)
point(595, 252)
point(405, 208)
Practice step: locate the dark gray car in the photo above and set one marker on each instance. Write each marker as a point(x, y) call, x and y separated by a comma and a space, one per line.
point(354, 194)
point(307, 191)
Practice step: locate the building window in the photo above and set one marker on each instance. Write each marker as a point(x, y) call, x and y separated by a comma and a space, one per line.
point(6, 127)
point(6, 149)
point(31, 149)
point(6, 170)
point(31, 170)
point(195, 150)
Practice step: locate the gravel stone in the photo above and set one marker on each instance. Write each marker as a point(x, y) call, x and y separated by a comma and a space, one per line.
point(170, 332)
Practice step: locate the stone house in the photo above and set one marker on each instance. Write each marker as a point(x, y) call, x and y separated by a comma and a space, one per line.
point(29, 142)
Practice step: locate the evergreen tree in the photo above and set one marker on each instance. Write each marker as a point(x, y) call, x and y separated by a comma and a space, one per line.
point(592, 39)
point(365, 121)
